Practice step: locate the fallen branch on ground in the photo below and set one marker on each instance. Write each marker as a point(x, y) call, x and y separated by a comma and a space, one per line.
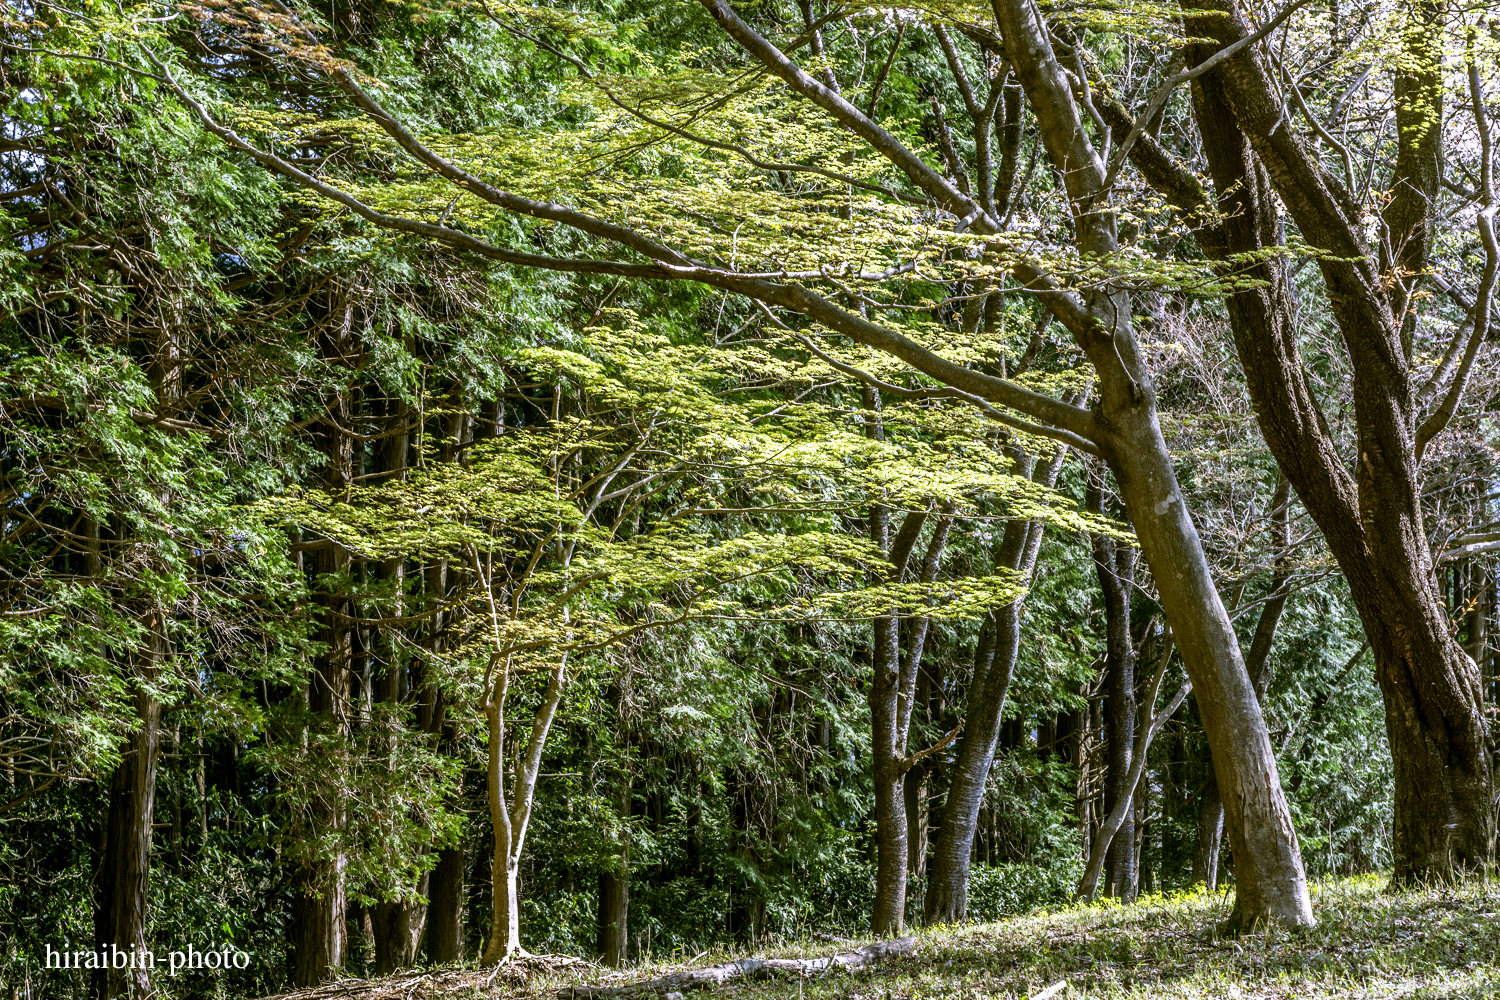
point(746, 968)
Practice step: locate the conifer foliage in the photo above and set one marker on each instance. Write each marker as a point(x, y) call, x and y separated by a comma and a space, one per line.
point(615, 479)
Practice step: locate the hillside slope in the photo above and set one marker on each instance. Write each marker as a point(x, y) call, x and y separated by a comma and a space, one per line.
point(1439, 943)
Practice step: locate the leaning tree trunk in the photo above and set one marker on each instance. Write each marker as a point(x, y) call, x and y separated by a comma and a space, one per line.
point(1258, 663)
point(1272, 884)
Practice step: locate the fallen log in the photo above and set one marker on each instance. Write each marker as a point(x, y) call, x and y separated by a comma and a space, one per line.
point(715, 976)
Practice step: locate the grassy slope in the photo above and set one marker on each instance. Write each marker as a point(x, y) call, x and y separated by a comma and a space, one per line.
point(1441, 943)
point(1367, 944)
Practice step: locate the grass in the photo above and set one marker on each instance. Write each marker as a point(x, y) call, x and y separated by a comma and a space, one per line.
point(1368, 943)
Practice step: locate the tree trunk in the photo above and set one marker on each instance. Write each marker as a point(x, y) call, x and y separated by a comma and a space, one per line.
point(1114, 565)
point(947, 897)
point(914, 788)
point(1258, 665)
point(888, 913)
point(887, 714)
point(613, 939)
point(1210, 832)
point(317, 932)
point(505, 931)
point(124, 870)
point(1373, 520)
point(445, 908)
point(1272, 883)
point(397, 928)
point(317, 928)
point(613, 943)
point(510, 816)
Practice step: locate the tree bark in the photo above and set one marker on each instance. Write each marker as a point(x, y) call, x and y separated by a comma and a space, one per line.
point(397, 928)
point(613, 942)
point(445, 909)
point(124, 871)
point(1272, 884)
point(1114, 564)
point(1372, 520)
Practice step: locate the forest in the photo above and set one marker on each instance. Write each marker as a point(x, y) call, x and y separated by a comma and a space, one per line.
point(537, 488)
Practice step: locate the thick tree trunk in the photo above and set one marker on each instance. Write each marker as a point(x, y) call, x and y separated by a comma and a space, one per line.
point(124, 870)
point(317, 928)
point(445, 908)
point(1258, 665)
point(1372, 521)
point(613, 943)
point(397, 928)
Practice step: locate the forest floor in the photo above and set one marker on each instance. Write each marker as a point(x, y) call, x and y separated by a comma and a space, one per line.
point(1368, 943)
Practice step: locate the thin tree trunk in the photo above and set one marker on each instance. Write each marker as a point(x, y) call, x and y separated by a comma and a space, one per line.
point(1114, 564)
point(1089, 886)
point(1210, 832)
point(887, 740)
point(947, 894)
point(914, 787)
point(889, 910)
point(510, 817)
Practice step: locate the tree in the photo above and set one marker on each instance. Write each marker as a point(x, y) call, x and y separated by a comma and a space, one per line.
point(1123, 427)
point(1372, 518)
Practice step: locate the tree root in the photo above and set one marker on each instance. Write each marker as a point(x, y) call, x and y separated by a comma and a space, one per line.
point(716, 976)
